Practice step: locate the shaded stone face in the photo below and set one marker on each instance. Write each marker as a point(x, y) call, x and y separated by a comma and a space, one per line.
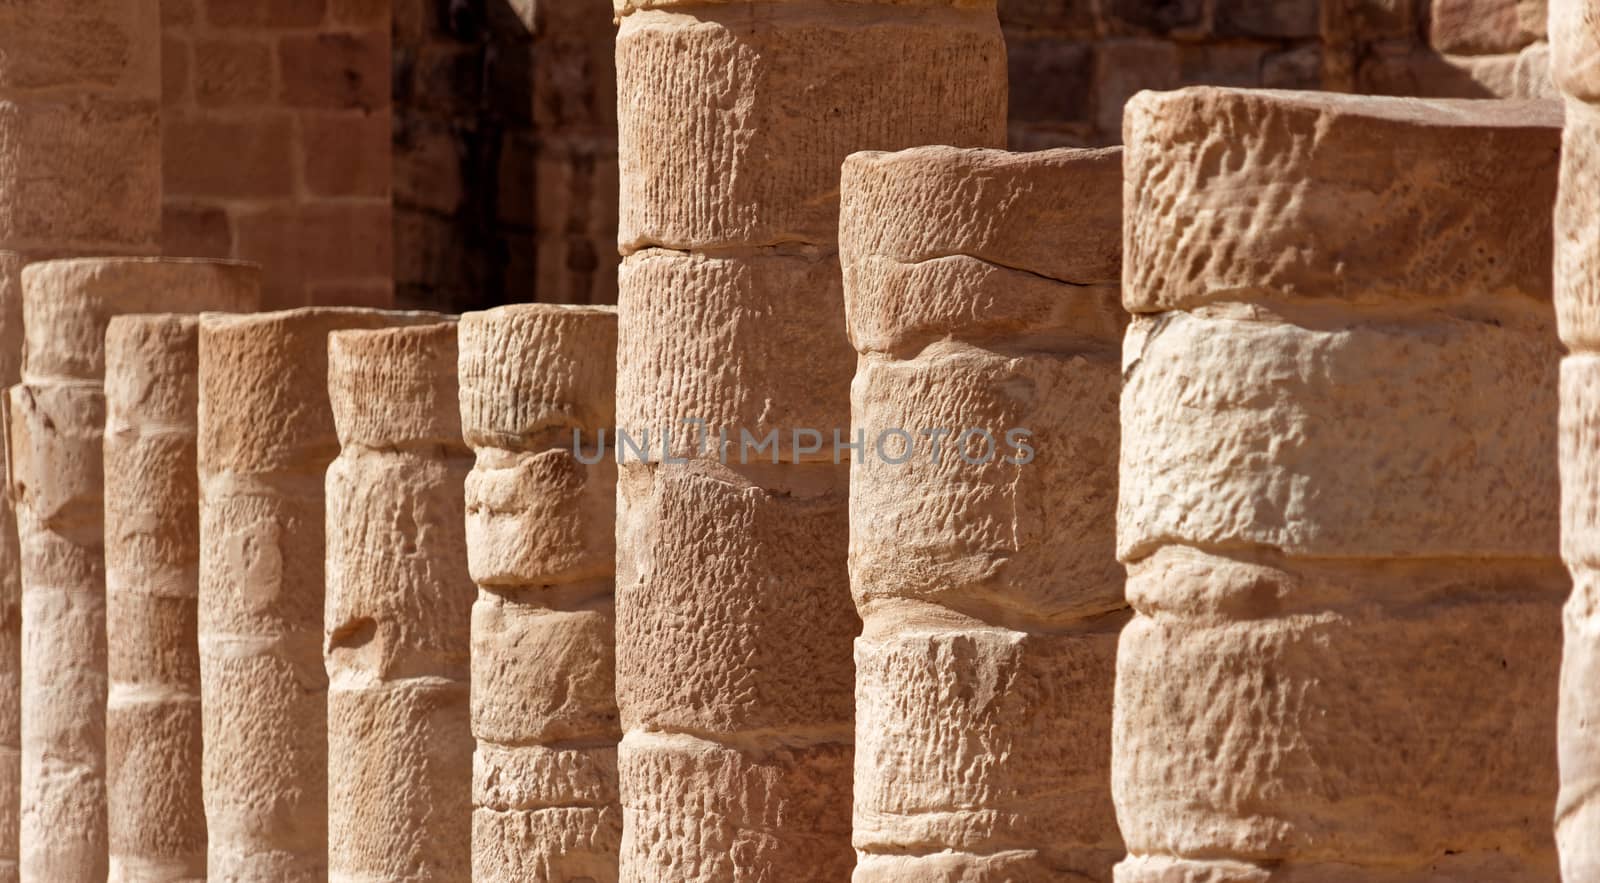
point(395, 632)
point(540, 531)
point(266, 439)
point(1575, 43)
point(981, 295)
point(1337, 492)
point(57, 421)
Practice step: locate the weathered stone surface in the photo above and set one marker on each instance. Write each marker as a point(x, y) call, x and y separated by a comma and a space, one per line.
point(1575, 60)
point(80, 88)
point(155, 814)
point(982, 552)
point(399, 601)
point(57, 423)
point(535, 381)
point(1329, 197)
point(1337, 498)
point(11, 337)
point(267, 438)
point(736, 116)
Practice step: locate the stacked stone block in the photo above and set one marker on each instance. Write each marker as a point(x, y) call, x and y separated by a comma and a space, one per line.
point(982, 294)
point(734, 674)
point(155, 814)
point(11, 264)
point(1575, 36)
point(277, 123)
point(57, 420)
point(1337, 501)
point(537, 394)
point(267, 438)
point(398, 603)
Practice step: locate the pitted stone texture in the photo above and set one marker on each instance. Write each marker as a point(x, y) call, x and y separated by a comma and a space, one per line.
point(983, 559)
point(1239, 194)
point(537, 388)
point(1238, 430)
point(11, 337)
point(704, 812)
point(1053, 213)
point(58, 419)
point(267, 438)
point(1575, 48)
point(1338, 497)
point(750, 344)
point(80, 136)
point(1362, 713)
point(155, 814)
point(1577, 229)
point(735, 117)
point(399, 599)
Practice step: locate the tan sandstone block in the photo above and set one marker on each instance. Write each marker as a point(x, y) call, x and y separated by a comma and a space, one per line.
point(1577, 229)
point(1251, 194)
point(1364, 713)
point(1053, 213)
point(267, 437)
point(737, 117)
point(545, 813)
point(987, 741)
point(753, 343)
point(1575, 48)
point(11, 337)
point(733, 606)
point(701, 812)
point(1578, 809)
point(1425, 437)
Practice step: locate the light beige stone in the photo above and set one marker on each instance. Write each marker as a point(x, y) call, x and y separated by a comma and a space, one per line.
point(11, 336)
point(399, 600)
point(736, 116)
point(538, 386)
point(1338, 492)
point(1362, 202)
point(80, 135)
point(57, 423)
point(982, 559)
point(155, 814)
point(1575, 63)
point(267, 438)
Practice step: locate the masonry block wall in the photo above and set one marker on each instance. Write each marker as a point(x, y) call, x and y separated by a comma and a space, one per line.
point(277, 125)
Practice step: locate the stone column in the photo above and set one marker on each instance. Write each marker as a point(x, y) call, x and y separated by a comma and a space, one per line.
point(156, 820)
point(1575, 42)
point(399, 600)
point(1338, 500)
point(57, 420)
point(266, 441)
point(734, 621)
point(982, 294)
point(10, 587)
point(540, 522)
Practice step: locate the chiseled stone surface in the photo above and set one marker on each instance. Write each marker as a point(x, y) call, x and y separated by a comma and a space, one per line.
point(155, 815)
point(540, 544)
point(1575, 50)
point(266, 440)
point(399, 601)
point(57, 423)
point(80, 133)
point(989, 587)
point(734, 621)
point(1338, 493)
point(11, 264)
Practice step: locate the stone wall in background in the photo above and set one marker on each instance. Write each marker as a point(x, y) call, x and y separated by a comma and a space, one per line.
point(498, 175)
point(276, 117)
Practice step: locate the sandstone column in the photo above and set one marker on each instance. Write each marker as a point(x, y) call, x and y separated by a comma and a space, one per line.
point(156, 820)
point(1338, 490)
point(10, 587)
point(399, 601)
point(267, 438)
point(1575, 44)
point(982, 294)
point(734, 674)
point(57, 420)
point(540, 540)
